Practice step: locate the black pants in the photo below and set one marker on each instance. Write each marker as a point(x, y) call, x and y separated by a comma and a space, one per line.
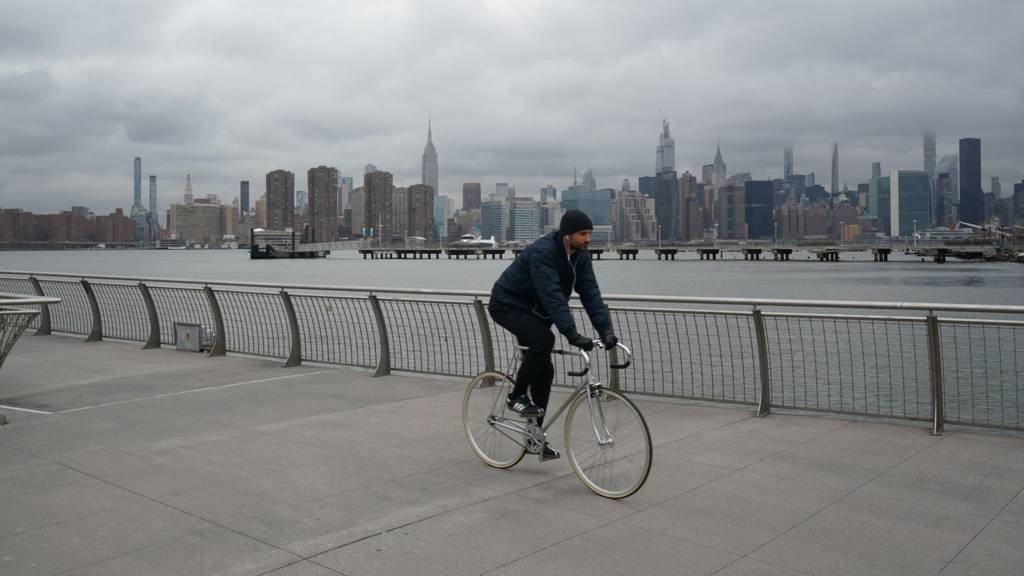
point(536, 372)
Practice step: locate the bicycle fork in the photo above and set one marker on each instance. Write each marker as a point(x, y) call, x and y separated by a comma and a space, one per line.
point(604, 437)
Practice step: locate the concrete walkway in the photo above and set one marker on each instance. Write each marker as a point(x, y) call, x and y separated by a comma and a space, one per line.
point(164, 462)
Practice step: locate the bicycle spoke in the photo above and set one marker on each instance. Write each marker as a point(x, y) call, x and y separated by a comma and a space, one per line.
point(618, 467)
point(489, 439)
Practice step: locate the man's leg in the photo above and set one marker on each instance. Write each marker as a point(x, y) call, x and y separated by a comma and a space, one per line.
point(536, 371)
point(534, 333)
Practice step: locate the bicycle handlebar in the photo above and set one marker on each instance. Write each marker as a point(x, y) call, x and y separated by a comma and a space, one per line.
point(586, 358)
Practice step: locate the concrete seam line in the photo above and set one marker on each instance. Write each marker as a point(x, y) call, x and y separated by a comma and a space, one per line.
point(206, 389)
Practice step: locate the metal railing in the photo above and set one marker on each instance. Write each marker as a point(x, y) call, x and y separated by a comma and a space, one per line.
point(832, 356)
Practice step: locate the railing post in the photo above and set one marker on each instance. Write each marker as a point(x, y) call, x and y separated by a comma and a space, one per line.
point(219, 345)
point(485, 334)
point(295, 354)
point(613, 358)
point(384, 362)
point(44, 309)
point(935, 359)
point(764, 405)
point(154, 319)
point(96, 334)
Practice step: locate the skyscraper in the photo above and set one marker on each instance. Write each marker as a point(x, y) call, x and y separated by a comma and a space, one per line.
point(876, 174)
point(594, 203)
point(322, 186)
point(885, 205)
point(758, 207)
point(152, 194)
point(588, 180)
point(945, 215)
point(430, 162)
point(835, 168)
point(379, 189)
point(137, 183)
point(666, 205)
point(400, 210)
point(689, 210)
point(718, 169)
point(494, 220)
point(666, 156)
point(188, 188)
point(470, 196)
point(929, 155)
point(910, 201)
point(787, 163)
point(243, 194)
point(524, 219)
point(548, 194)
point(731, 213)
point(344, 194)
point(972, 201)
point(419, 211)
point(280, 199)
point(950, 164)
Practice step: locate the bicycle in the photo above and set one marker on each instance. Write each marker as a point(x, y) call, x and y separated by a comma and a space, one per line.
point(607, 441)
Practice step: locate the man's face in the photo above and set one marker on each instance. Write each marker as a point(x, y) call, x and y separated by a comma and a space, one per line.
point(580, 240)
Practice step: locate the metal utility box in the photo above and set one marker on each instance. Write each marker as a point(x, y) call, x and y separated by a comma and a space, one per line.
point(188, 337)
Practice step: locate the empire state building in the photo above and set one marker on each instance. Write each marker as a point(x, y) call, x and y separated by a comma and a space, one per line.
point(430, 162)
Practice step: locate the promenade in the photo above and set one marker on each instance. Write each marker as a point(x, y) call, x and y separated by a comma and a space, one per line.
point(120, 461)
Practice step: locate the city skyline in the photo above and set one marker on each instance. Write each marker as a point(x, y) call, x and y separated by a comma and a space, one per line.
point(520, 95)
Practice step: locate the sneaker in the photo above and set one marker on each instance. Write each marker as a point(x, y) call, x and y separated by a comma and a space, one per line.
point(549, 453)
point(522, 405)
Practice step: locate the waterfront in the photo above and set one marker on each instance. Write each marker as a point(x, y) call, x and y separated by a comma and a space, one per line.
point(856, 277)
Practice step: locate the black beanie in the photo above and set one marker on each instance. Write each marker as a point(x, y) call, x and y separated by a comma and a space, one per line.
point(574, 221)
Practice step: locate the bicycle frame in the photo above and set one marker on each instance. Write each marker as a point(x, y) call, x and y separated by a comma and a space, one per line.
point(590, 385)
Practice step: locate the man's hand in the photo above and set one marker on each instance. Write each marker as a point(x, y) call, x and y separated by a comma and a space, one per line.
point(582, 342)
point(610, 340)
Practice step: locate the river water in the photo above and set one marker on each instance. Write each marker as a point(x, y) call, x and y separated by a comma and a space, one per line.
point(857, 277)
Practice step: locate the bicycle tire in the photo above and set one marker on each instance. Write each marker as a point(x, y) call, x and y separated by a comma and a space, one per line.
point(617, 469)
point(485, 396)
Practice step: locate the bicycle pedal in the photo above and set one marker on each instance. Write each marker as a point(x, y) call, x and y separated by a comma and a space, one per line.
point(548, 453)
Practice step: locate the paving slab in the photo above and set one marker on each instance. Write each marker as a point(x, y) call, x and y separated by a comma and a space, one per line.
point(493, 533)
point(868, 535)
point(604, 552)
point(164, 462)
point(738, 513)
point(997, 549)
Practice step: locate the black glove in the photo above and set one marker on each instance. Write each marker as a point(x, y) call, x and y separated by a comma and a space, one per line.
point(582, 342)
point(610, 340)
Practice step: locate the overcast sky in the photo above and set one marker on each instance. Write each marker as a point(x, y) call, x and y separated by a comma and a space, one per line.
point(520, 91)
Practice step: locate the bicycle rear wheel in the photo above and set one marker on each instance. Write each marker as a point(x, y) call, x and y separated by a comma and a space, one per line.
point(494, 433)
point(608, 443)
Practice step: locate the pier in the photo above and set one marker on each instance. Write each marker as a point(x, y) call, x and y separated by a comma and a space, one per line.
point(400, 253)
point(321, 431)
point(197, 465)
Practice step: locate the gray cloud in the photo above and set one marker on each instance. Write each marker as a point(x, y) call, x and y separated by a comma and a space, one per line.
point(520, 92)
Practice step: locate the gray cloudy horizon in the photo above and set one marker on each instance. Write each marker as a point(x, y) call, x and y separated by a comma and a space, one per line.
point(521, 92)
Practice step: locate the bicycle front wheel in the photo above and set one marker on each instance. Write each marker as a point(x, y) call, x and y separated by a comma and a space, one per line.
point(494, 433)
point(608, 442)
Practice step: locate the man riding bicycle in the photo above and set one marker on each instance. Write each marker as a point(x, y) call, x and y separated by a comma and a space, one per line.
point(533, 293)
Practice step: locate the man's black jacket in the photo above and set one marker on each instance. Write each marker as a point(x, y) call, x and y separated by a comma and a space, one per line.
point(542, 278)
